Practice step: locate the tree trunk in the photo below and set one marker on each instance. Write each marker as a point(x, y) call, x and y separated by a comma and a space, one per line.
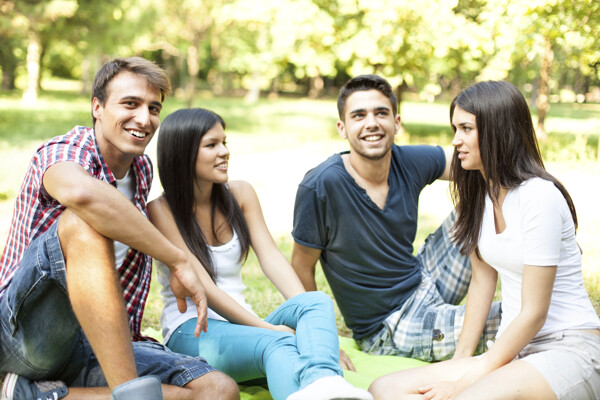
point(33, 67)
point(8, 78)
point(43, 48)
point(215, 76)
point(316, 85)
point(9, 66)
point(215, 80)
point(254, 93)
point(86, 66)
point(274, 93)
point(8, 62)
point(403, 134)
point(193, 69)
point(543, 99)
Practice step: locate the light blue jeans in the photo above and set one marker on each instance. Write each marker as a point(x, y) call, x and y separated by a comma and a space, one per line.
point(289, 362)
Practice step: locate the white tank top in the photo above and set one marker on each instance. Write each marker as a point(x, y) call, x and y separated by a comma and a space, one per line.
point(227, 265)
point(127, 187)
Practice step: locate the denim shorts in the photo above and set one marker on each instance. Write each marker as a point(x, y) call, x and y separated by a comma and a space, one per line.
point(569, 361)
point(40, 337)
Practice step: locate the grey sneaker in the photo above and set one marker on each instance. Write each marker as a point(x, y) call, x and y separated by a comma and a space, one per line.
point(16, 387)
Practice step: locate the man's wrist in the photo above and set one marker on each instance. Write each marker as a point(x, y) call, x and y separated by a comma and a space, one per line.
point(178, 260)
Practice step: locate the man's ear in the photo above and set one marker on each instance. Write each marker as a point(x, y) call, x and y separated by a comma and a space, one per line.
point(397, 123)
point(96, 108)
point(341, 128)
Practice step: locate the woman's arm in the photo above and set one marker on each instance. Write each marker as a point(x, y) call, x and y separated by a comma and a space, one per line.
point(479, 300)
point(536, 290)
point(272, 261)
point(160, 215)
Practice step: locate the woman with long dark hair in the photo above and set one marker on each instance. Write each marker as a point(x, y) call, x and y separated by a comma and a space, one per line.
point(516, 221)
point(215, 222)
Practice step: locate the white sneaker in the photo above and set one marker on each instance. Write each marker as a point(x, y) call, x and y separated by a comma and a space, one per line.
point(331, 388)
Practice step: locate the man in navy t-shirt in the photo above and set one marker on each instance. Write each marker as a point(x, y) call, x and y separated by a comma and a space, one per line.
point(357, 213)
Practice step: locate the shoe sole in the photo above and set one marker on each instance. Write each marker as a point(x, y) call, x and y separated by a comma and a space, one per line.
point(10, 381)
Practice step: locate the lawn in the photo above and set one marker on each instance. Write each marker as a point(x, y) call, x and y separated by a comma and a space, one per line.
point(274, 142)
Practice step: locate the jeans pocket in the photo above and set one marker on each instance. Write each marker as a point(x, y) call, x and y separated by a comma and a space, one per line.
point(44, 324)
point(25, 284)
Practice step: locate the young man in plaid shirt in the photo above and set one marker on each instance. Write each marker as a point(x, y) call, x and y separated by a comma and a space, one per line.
point(75, 272)
point(357, 212)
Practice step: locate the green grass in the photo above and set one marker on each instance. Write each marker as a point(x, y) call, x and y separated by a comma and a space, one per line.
point(266, 136)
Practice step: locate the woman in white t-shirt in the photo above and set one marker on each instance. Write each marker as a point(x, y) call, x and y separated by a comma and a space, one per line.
point(215, 222)
point(516, 221)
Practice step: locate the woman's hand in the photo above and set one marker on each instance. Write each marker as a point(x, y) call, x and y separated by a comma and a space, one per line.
point(284, 328)
point(440, 391)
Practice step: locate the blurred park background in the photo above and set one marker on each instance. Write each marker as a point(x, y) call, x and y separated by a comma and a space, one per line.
point(272, 69)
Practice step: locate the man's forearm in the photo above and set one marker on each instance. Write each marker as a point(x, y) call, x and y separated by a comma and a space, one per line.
point(118, 219)
point(107, 211)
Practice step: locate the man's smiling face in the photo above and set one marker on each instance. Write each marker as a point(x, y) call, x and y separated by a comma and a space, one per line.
point(369, 124)
point(127, 121)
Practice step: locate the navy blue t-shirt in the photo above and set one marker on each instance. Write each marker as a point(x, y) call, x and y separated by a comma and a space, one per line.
point(366, 252)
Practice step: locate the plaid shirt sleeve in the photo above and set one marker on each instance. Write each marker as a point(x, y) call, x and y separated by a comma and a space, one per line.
point(34, 209)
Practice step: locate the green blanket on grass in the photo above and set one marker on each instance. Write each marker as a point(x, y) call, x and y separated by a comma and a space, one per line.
point(368, 368)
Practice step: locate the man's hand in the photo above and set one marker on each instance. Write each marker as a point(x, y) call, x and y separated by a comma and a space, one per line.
point(186, 283)
point(346, 362)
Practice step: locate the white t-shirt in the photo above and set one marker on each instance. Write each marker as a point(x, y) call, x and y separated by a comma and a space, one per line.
point(227, 265)
point(539, 231)
point(127, 187)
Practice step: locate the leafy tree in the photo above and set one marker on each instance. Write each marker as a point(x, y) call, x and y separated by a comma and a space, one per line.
point(397, 39)
point(38, 16)
point(11, 37)
point(267, 39)
point(185, 30)
point(569, 27)
point(479, 44)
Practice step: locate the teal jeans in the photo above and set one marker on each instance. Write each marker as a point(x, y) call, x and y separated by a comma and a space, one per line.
point(289, 362)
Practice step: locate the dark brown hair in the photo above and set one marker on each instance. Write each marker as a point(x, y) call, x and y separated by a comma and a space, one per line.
point(177, 150)
point(509, 152)
point(153, 73)
point(362, 83)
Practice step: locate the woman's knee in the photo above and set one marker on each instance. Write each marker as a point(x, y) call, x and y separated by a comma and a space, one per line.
point(317, 299)
point(381, 389)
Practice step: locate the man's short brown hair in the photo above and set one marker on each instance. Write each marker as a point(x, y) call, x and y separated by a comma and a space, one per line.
point(155, 75)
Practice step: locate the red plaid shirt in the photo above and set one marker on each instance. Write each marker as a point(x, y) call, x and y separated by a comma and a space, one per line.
point(35, 211)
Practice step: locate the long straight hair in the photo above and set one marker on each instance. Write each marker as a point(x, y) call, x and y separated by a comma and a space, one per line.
point(177, 151)
point(509, 153)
